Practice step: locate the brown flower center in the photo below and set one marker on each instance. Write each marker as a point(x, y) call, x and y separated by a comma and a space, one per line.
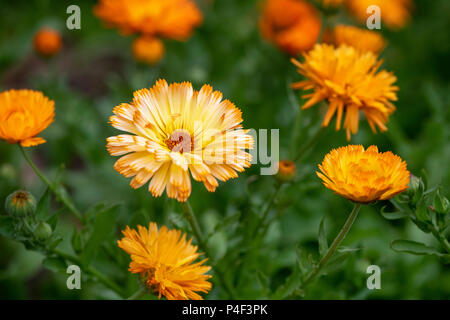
point(180, 141)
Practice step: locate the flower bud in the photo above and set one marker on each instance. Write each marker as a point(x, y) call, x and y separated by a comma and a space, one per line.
point(148, 50)
point(43, 231)
point(286, 171)
point(416, 188)
point(440, 203)
point(20, 204)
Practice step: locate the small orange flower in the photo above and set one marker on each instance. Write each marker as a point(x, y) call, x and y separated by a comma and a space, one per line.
point(169, 18)
point(166, 261)
point(350, 81)
point(23, 115)
point(364, 175)
point(148, 50)
point(293, 25)
point(286, 170)
point(47, 42)
point(361, 39)
point(394, 13)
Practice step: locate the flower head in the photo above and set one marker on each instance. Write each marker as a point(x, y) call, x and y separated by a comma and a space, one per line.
point(364, 175)
point(23, 115)
point(177, 130)
point(361, 39)
point(20, 204)
point(169, 18)
point(166, 261)
point(350, 81)
point(394, 13)
point(148, 49)
point(293, 25)
point(47, 42)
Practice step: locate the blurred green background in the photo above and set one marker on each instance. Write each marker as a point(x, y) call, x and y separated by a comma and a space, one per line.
point(96, 71)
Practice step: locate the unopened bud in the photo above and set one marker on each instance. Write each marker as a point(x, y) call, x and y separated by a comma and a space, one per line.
point(43, 231)
point(20, 204)
point(286, 171)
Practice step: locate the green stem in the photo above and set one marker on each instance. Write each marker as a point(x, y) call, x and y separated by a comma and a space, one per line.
point(334, 245)
point(310, 143)
point(269, 206)
point(51, 186)
point(100, 277)
point(138, 294)
point(438, 235)
point(190, 216)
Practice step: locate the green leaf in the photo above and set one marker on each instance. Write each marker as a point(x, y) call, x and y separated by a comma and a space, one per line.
point(395, 215)
point(7, 226)
point(302, 260)
point(55, 264)
point(424, 177)
point(43, 206)
point(291, 284)
point(414, 247)
point(440, 203)
point(77, 241)
point(422, 212)
point(323, 243)
point(104, 226)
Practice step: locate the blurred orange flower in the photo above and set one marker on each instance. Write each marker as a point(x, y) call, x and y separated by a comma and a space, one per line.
point(23, 115)
point(176, 129)
point(47, 42)
point(350, 81)
point(286, 170)
point(293, 25)
point(394, 13)
point(364, 175)
point(166, 261)
point(148, 50)
point(169, 18)
point(361, 39)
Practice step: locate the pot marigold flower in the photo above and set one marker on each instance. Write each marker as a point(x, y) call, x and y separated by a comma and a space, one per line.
point(364, 176)
point(349, 80)
point(363, 40)
point(166, 261)
point(148, 49)
point(176, 130)
point(293, 25)
point(394, 13)
point(169, 18)
point(47, 42)
point(23, 115)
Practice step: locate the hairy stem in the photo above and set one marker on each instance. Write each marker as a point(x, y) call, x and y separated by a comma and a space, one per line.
point(190, 216)
point(334, 245)
point(69, 205)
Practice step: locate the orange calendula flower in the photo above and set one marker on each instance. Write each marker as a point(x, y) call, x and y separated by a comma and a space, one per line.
point(394, 13)
point(350, 81)
point(148, 50)
point(361, 39)
point(165, 259)
point(293, 25)
point(23, 115)
point(169, 18)
point(47, 42)
point(364, 175)
point(177, 130)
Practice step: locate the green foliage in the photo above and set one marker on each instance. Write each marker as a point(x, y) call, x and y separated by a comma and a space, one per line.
point(260, 260)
